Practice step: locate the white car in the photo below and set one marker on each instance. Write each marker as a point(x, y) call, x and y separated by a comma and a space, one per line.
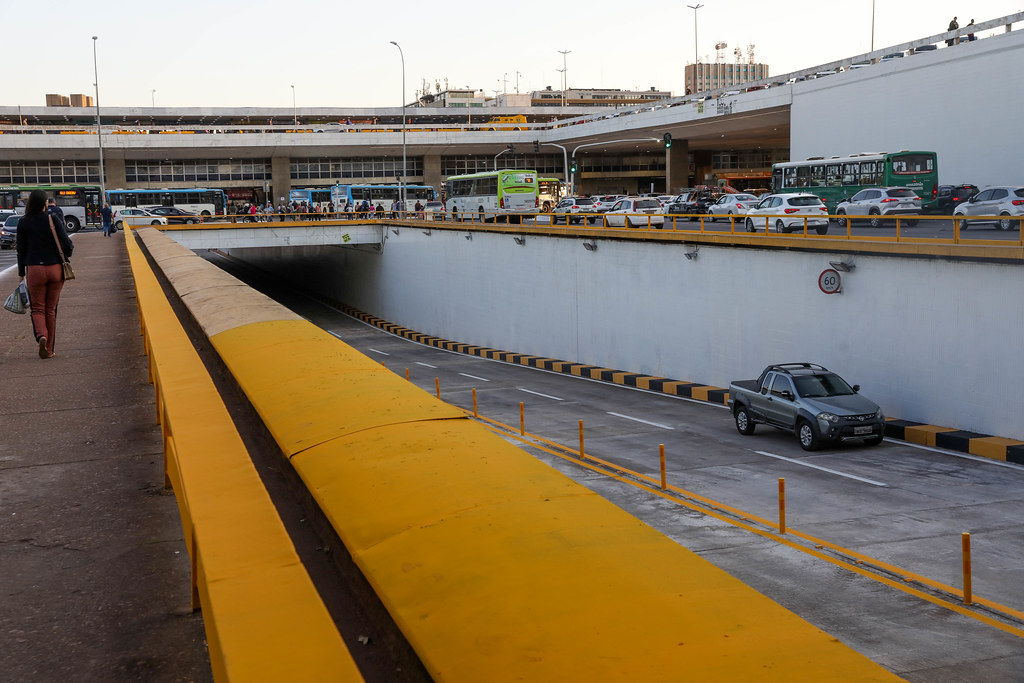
point(787, 212)
point(635, 212)
point(1004, 202)
point(134, 217)
point(433, 211)
point(732, 205)
point(603, 202)
point(879, 202)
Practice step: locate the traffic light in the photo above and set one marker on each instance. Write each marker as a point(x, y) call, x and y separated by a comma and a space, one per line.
point(511, 149)
point(536, 146)
point(668, 140)
point(572, 166)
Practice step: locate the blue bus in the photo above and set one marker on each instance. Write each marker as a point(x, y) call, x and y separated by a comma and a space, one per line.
point(353, 195)
point(198, 200)
point(312, 196)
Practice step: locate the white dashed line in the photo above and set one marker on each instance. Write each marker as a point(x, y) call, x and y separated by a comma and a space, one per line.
point(380, 352)
point(537, 393)
point(823, 469)
point(474, 377)
point(427, 365)
point(637, 419)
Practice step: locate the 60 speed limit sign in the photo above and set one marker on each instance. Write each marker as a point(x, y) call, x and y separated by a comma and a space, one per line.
point(829, 281)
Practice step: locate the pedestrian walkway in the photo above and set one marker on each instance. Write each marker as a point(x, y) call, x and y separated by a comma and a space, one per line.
point(94, 573)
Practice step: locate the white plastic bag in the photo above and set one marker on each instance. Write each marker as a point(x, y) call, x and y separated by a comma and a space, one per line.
point(17, 302)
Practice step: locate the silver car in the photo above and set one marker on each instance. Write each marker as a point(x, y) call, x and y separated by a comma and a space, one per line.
point(999, 204)
point(878, 202)
point(635, 212)
point(732, 205)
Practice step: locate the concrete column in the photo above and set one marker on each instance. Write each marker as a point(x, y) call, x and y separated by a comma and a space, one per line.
point(280, 178)
point(677, 166)
point(702, 167)
point(432, 172)
point(114, 171)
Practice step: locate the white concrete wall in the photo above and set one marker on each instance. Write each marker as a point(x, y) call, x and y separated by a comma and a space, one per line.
point(963, 102)
point(931, 340)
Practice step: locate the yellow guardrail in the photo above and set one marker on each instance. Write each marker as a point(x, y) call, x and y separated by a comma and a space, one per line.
point(264, 619)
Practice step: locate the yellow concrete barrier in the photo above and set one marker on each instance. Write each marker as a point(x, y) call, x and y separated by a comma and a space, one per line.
point(494, 565)
point(264, 618)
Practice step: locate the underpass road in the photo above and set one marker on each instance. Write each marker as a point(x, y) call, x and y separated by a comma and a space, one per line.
point(897, 503)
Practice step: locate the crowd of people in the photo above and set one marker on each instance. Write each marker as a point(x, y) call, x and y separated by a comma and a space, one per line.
point(254, 212)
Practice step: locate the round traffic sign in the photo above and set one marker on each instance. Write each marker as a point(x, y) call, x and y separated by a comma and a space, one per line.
point(829, 281)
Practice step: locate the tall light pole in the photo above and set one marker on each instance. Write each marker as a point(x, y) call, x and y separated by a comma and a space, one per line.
point(295, 112)
point(565, 78)
point(872, 25)
point(99, 130)
point(695, 58)
point(153, 95)
point(401, 184)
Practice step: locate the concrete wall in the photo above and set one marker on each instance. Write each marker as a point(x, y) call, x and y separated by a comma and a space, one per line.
point(945, 100)
point(931, 340)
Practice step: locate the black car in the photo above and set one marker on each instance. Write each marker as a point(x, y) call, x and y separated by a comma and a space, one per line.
point(9, 231)
point(946, 197)
point(695, 203)
point(173, 214)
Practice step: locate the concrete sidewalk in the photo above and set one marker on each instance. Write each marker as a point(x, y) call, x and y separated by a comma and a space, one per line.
point(94, 575)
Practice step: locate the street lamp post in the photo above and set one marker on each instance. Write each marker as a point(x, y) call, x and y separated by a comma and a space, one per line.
point(295, 112)
point(872, 25)
point(401, 184)
point(153, 96)
point(99, 130)
point(695, 58)
point(565, 78)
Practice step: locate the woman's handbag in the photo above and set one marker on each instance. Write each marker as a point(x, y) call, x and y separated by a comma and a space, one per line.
point(17, 302)
point(65, 265)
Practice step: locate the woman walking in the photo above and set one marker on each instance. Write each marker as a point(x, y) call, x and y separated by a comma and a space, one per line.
point(39, 264)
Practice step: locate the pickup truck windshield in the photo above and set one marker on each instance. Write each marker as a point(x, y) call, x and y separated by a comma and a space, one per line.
point(819, 386)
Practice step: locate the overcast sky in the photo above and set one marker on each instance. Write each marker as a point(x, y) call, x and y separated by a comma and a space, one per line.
point(338, 54)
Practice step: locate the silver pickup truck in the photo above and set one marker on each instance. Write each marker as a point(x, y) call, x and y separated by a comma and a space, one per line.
point(808, 400)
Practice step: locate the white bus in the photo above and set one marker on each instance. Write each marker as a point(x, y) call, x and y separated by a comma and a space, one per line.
point(506, 192)
point(198, 200)
point(353, 196)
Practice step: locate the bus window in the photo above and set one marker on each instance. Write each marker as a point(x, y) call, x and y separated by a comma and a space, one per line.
point(851, 173)
point(789, 177)
point(833, 175)
point(870, 173)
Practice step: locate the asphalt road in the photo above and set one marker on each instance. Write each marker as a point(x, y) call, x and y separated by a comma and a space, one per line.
point(884, 524)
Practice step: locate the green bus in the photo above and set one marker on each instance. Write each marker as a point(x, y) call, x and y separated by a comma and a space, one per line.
point(837, 178)
point(505, 192)
point(79, 203)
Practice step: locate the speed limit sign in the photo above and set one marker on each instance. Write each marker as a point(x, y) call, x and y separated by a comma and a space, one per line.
point(829, 281)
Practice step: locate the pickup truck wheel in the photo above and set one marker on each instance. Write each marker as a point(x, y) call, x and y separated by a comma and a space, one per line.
point(807, 436)
point(744, 425)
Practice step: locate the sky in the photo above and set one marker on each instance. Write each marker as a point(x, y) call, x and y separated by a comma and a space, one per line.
point(211, 53)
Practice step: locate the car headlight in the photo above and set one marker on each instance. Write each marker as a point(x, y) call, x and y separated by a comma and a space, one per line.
point(827, 417)
point(878, 414)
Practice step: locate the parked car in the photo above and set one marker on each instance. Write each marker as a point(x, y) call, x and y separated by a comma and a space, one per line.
point(695, 203)
point(572, 210)
point(604, 202)
point(808, 400)
point(945, 198)
point(787, 212)
point(999, 205)
point(879, 202)
point(174, 214)
point(635, 212)
point(9, 231)
point(731, 205)
point(433, 211)
point(135, 217)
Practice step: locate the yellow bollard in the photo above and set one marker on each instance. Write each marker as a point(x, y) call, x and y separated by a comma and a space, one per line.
point(407, 374)
point(966, 543)
point(661, 452)
point(475, 414)
point(581, 441)
point(522, 420)
point(782, 505)
point(437, 386)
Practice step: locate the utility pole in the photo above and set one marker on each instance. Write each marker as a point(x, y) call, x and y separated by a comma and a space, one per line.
point(565, 77)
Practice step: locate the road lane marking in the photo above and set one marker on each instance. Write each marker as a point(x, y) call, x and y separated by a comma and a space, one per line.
point(380, 352)
point(427, 365)
point(537, 393)
point(637, 419)
point(823, 469)
point(474, 377)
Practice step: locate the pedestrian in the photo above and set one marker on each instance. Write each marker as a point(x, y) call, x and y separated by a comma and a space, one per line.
point(54, 210)
point(970, 36)
point(108, 218)
point(40, 242)
point(419, 209)
point(252, 212)
point(330, 209)
point(952, 27)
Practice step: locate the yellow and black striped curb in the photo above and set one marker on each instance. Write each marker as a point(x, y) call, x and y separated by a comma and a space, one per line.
point(984, 445)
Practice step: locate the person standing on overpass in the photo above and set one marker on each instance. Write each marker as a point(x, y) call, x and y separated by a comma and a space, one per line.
point(953, 25)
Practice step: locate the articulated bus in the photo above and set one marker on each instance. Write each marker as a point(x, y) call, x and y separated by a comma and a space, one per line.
point(198, 200)
point(840, 177)
point(493, 193)
point(549, 191)
point(353, 195)
point(80, 203)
